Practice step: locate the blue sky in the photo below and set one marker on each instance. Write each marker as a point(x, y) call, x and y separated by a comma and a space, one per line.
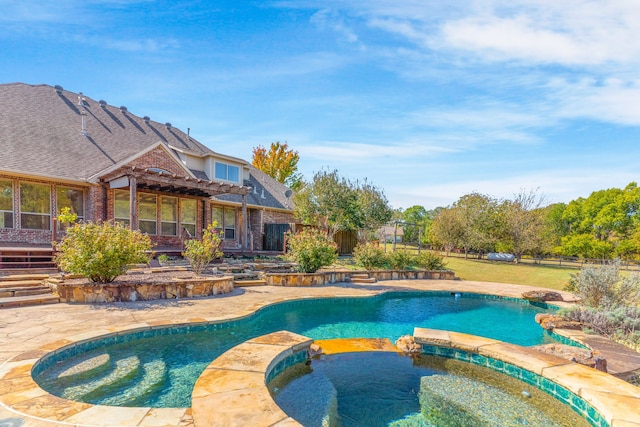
point(429, 100)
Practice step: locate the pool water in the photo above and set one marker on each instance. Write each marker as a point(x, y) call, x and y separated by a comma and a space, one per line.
point(386, 389)
point(161, 371)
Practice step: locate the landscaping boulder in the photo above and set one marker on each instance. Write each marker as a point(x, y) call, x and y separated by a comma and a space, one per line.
point(407, 344)
point(583, 356)
point(542, 296)
point(552, 321)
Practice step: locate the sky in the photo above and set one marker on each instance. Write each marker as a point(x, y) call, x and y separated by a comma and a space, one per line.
point(428, 100)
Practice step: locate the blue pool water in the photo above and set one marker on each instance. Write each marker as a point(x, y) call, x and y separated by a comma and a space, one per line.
point(388, 390)
point(161, 370)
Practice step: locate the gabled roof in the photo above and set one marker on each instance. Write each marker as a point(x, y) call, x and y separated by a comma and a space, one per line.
point(41, 133)
point(266, 192)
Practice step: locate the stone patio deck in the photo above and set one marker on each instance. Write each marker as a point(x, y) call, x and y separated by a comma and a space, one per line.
point(27, 333)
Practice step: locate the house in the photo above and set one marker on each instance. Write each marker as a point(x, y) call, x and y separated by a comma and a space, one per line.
point(389, 233)
point(64, 149)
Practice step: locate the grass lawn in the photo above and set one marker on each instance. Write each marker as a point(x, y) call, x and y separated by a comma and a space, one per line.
point(520, 274)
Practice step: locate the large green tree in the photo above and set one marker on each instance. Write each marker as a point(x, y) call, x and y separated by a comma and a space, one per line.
point(478, 214)
point(335, 203)
point(604, 224)
point(447, 229)
point(521, 224)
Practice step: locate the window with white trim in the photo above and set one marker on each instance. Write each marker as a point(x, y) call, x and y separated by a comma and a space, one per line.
point(6, 204)
point(35, 206)
point(147, 213)
point(122, 207)
point(169, 216)
point(188, 208)
point(225, 219)
point(227, 172)
point(71, 198)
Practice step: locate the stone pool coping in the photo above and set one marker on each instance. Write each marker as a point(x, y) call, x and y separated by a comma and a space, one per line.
point(29, 333)
point(617, 401)
point(235, 384)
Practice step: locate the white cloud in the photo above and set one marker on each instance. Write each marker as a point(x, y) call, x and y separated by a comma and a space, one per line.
point(612, 100)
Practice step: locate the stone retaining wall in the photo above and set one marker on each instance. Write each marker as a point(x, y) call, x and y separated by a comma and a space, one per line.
point(176, 288)
point(325, 278)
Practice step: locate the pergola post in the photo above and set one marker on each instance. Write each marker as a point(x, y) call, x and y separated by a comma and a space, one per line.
point(133, 204)
point(244, 227)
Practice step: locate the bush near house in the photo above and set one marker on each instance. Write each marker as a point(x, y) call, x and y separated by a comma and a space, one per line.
point(311, 249)
point(200, 253)
point(101, 251)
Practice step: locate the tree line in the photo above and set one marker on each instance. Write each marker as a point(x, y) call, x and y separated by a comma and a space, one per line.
point(604, 225)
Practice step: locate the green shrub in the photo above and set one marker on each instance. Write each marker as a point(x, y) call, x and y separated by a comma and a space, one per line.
point(101, 251)
point(402, 260)
point(604, 286)
point(430, 261)
point(621, 324)
point(370, 256)
point(311, 249)
point(200, 253)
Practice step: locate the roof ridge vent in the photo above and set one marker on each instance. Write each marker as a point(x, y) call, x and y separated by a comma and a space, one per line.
point(167, 125)
point(146, 119)
point(123, 108)
point(58, 89)
point(102, 103)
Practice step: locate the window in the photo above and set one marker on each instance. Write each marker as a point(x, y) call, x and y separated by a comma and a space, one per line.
point(6, 204)
point(168, 216)
point(226, 220)
point(188, 215)
point(122, 207)
point(35, 206)
point(147, 207)
point(71, 198)
point(227, 172)
point(229, 223)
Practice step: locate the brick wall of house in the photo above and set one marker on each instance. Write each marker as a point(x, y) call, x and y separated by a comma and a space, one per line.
point(259, 217)
point(158, 158)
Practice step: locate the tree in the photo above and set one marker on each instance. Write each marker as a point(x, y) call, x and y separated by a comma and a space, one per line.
point(414, 218)
point(447, 230)
point(279, 162)
point(373, 206)
point(478, 216)
point(611, 217)
point(522, 223)
point(335, 203)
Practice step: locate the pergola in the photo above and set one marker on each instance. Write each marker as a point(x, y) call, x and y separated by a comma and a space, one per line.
point(156, 179)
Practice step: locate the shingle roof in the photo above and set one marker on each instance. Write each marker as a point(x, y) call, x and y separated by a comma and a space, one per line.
point(40, 133)
point(266, 192)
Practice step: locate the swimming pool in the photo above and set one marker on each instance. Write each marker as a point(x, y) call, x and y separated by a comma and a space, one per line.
point(418, 391)
point(159, 367)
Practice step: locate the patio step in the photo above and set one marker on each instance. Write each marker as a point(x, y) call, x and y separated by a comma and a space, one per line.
point(23, 301)
point(25, 289)
point(246, 283)
point(362, 278)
